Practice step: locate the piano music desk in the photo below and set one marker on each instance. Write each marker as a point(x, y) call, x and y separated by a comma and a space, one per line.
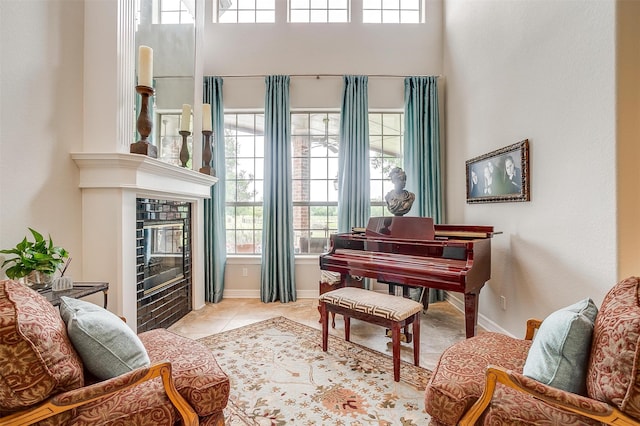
point(382, 309)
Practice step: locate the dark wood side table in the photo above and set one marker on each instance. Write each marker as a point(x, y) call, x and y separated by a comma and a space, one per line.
point(80, 289)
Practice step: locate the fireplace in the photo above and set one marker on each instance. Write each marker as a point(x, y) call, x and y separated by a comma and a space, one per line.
point(163, 262)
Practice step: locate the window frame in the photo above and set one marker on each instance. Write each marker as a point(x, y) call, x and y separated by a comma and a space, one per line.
point(378, 204)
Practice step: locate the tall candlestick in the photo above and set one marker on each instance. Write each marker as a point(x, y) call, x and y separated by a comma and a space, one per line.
point(144, 125)
point(206, 117)
point(206, 154)
point(184, 150)
point(185, 123)
point(145, 66)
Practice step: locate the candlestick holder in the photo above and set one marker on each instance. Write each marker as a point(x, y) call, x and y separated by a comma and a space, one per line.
point(206, 155)
point(144, 125)
point(184, 150)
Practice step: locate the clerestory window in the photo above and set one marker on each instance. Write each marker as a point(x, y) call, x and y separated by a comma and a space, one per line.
point(245, 11)
point(328, 11)
point(392, 11)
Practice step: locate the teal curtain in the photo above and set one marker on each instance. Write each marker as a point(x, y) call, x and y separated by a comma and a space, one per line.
point(215, 249)
point(277, 278)
point(422, 161)
point(354, 204)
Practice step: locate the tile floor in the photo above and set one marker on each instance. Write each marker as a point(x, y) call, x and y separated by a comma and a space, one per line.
point(440, 326)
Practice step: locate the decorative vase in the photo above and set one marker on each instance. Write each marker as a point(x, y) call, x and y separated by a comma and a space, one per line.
point(38, 280)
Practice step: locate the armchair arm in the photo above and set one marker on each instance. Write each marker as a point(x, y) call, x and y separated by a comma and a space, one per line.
point(533, 324)
point(558, 398)
point(77, 397)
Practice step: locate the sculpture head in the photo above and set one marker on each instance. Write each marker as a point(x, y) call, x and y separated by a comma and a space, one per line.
point(398, 178)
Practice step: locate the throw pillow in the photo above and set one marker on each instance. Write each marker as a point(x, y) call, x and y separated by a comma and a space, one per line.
point(560, 350)
point(37, 358)
point(107, 346)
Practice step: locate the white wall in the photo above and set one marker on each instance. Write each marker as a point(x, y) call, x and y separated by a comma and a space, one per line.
point(41, 88)
point(543, 71)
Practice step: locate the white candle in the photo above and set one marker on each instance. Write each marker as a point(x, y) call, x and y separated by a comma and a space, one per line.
point(185, 123)
point(145, 66)
point(206, 117)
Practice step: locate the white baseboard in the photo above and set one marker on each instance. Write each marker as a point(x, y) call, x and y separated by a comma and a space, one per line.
point(255, 294)
point(483, 321)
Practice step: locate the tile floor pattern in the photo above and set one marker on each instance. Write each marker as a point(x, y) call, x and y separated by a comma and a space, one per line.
point(441, 326)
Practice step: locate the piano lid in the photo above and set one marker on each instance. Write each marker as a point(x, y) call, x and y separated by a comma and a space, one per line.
point(409, 227)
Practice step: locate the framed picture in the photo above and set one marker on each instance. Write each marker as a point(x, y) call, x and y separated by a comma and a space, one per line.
point(499, 176)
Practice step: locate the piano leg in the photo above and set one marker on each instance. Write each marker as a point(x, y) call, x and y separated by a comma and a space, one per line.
point(471, 312)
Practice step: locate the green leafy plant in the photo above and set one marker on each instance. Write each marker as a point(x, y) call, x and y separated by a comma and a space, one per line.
point(38, 255)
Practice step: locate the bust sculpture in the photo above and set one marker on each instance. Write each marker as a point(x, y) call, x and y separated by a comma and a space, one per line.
point(399, 200)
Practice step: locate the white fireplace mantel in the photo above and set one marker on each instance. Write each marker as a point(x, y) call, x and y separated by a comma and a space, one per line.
point(111, 183)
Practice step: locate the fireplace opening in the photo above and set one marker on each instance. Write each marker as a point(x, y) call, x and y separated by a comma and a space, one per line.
point(163, 261)
point(164, 254)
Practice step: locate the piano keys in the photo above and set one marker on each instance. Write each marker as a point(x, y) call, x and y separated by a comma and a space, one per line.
point(412, 251)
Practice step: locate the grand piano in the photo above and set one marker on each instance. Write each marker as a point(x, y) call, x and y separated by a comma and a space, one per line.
point(412, 251)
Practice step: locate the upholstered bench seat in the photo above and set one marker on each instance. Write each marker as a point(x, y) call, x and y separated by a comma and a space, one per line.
point(382, 309)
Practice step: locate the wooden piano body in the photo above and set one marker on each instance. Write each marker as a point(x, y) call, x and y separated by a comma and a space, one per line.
point(412, 251)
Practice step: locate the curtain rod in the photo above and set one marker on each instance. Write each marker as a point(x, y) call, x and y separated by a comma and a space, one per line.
point(317, 76)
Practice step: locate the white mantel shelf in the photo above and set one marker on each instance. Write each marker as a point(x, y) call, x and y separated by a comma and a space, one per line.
point(141, 173)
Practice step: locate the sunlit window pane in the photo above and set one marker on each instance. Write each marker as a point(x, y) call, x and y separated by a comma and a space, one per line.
point(246, 4)
point(372, 16)
point(318, 168)
point(410, 17)
point(338, 16)
point(372, 4)
point(299, 15)
point(318, 16)
point(390, 16)
point(246, 17)
point(263, 16)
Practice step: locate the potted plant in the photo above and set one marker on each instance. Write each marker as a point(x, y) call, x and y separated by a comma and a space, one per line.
point(36, 261)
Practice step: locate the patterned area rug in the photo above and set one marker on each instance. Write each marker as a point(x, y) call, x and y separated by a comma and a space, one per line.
point(280, 375)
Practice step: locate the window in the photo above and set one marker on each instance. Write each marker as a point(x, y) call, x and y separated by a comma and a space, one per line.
point(386, 131)
point(246, 11)
point(392, 11)
point(244, 162)
point(319, 11)
point(315, 140)
point(174, 12)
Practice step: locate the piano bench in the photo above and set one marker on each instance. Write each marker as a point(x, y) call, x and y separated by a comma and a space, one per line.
point(389, 311)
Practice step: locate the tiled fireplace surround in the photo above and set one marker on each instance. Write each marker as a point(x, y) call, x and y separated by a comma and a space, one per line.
point(111, 183)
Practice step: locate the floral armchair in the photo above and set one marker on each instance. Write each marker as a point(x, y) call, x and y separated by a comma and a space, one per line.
point(43, 380)
point(481, 381)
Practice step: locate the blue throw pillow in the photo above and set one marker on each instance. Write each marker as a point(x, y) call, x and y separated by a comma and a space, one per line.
point(106, 344)
point(560, 350)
